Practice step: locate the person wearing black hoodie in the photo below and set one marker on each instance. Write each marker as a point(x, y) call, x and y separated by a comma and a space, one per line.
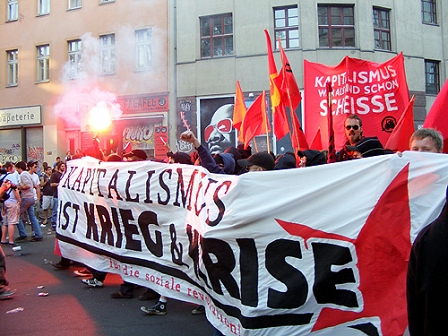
point(222, 163)
point(427, 278)
point(311, 157)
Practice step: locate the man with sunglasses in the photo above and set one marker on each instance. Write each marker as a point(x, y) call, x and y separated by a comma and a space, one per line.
point(353, 133)
point(218, 135)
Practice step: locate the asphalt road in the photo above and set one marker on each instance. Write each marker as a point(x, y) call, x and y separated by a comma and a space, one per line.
point(72, 308)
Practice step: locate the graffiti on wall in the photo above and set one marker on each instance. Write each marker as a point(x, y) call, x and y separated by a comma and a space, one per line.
point(35, 153)
point(140, 136)
point(185, 124)
point(12, 154)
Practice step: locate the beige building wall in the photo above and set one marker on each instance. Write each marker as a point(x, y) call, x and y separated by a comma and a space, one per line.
point(92, 19)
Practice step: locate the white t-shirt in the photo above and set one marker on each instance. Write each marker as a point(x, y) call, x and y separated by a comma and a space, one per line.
point(36, 182)
point(27, 180)
point(14, 178)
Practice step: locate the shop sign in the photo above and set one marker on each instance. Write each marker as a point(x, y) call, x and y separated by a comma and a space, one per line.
point(21, 116)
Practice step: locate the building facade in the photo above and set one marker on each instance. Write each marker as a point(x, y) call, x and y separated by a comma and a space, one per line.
point(61, 59)
point(220, 42)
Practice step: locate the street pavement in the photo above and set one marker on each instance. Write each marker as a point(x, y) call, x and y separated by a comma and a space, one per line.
point(72, 308)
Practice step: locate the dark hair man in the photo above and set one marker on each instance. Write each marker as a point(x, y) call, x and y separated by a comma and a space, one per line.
point(353, 133)
point(27, 187)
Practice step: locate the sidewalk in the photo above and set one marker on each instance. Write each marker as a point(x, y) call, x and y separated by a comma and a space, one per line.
point(72, 308)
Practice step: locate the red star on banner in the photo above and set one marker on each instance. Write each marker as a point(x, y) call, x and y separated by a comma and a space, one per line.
point(383, 247)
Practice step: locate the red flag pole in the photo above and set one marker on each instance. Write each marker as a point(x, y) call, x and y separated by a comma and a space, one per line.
point(331, 150)
point(291, 110)
point(265, 118)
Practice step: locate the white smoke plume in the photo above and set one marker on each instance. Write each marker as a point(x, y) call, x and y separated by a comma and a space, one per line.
point(83, 93)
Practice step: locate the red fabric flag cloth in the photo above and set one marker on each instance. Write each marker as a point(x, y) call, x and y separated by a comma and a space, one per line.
point(331, 143)
point(239, 110)
point(371, 90)
point(399, 138)
point(438, 115)
point(298, 139)
point(255, 122)
point(289, 91)
point(316, 143)
point(281, 125)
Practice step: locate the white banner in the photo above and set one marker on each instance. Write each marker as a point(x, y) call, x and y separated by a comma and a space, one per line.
point(319, 250)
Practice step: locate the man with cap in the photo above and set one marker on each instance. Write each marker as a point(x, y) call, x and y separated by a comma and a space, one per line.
point(258, 162)
point(353, 133)
point(367, 147)
point(311, 157)
point(136, 155)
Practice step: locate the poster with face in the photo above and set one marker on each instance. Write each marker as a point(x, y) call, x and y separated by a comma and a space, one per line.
point(215, 124)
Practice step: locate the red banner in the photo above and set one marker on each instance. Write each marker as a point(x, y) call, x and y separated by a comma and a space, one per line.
point(378, 93)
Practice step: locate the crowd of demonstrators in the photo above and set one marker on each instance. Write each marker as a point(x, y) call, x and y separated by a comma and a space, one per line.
point(238, 161)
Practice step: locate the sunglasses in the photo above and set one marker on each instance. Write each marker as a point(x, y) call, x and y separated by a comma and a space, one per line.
point(223, 126)
point(349, 127)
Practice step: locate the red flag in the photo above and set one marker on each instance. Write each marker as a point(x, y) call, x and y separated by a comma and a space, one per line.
point(281, 125)
point(399, 138)
point(289, 90)
point(331, 145)
point(298, 135)
point(239, 110)
point(255, 122)
point(317, 141)
point(438, 115)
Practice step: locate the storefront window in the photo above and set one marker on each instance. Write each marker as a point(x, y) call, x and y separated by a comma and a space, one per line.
point(10, 148)
point(34, 145)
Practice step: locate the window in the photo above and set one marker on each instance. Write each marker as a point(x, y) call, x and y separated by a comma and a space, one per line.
point(429, 14)
point(107, 54)
point(336, 26)
point(13, 10)
point(286, 27)
point(381, 28)
point(72, 4)
point(13, 67)
point(106, 1)
point(43, 7)
point(74, 58)
point(216, 36)
point(43, 63)
point(143, 39)
point(432, 78)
